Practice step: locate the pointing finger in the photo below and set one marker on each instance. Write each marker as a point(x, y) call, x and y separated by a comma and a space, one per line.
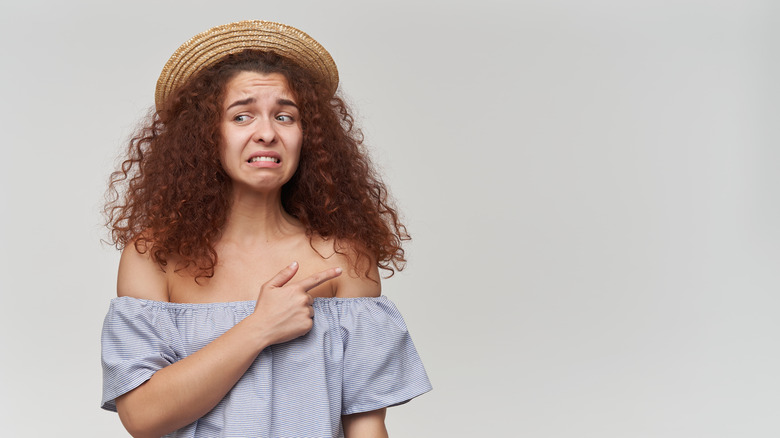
point(284, 275)
point(317, 279)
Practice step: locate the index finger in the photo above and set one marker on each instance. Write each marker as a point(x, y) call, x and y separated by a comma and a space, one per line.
point(317, 279)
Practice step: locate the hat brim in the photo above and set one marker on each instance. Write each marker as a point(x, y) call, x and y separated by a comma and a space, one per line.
point(207, 48)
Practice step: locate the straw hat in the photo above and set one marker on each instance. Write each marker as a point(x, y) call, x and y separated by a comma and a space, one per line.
point(206, 48)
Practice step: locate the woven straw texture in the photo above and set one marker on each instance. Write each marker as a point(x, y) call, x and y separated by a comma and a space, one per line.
point(207, 48)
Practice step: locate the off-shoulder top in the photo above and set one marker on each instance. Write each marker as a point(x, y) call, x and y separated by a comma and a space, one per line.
point(358, 357)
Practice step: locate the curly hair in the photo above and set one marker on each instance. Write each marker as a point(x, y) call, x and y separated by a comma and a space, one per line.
point(171, 195)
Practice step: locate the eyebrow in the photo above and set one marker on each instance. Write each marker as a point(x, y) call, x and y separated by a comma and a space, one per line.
point(286, 102)
point(248, 100)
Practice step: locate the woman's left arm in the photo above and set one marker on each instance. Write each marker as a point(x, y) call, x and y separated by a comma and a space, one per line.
point(365, 424)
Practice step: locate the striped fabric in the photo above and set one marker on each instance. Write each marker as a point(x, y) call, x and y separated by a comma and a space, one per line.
point(358, 357)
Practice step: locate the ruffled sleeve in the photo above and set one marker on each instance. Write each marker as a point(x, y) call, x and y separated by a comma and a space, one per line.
point(138, 339)
point(381, 365)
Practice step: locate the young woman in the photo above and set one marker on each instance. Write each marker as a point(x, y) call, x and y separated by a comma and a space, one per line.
point(253, 229)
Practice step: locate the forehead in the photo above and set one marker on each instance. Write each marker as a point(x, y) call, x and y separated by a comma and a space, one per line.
point(250, 83)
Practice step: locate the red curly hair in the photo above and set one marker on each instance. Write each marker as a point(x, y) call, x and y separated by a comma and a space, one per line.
point(171, 195)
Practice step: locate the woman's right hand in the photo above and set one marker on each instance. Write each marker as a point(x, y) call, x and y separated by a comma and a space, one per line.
point(285, 309)
point(187, 389)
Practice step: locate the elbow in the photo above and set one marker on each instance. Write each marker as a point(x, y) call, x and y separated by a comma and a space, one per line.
point(136, 427)
point(137, 421)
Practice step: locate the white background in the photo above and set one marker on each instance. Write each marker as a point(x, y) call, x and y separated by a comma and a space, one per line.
point(592, 188)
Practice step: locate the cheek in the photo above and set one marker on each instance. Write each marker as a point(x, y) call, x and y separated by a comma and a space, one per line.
point(225, 162)
point(296, 152)
point(230, 146)
point(295, 143)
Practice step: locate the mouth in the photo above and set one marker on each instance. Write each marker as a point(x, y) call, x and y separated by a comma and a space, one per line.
point(267, 159)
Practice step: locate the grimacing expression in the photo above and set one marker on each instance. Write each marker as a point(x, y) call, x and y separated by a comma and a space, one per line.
point(261, 131)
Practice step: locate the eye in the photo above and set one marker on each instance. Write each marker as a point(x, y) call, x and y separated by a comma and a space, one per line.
point(285, 118)
point(241, 118)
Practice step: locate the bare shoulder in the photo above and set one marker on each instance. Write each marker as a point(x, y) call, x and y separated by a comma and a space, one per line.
point(140, 277)
point(357, 280)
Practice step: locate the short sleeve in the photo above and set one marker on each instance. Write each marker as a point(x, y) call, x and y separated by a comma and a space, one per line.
point(381, 365)
point(138, 339)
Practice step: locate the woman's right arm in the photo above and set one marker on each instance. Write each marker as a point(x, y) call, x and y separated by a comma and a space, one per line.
point(186, 390)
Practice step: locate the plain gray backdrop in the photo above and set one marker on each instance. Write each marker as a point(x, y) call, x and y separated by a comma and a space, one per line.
point(592, 188)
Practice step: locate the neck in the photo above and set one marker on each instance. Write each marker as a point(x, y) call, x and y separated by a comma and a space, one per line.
point(258, 218)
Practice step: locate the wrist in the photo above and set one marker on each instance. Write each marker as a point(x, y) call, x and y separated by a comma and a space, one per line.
point(257, 332)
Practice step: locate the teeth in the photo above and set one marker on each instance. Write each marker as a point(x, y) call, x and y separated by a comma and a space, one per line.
point(253, 159)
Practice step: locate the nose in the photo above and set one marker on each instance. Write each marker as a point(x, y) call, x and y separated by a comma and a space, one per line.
point(265, 131)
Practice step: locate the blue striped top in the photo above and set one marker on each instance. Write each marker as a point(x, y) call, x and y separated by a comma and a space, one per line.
point(358, 357)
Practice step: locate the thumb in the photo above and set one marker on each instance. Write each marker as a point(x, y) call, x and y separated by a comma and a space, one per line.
point(284, 275)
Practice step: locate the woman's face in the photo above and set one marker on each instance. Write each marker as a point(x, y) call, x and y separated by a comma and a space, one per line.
point(261, 131)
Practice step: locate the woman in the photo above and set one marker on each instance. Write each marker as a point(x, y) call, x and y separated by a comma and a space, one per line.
point(250, 164)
